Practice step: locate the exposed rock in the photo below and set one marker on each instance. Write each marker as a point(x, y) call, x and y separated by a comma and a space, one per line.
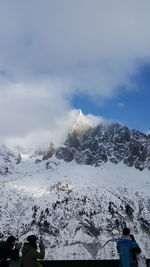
point(113, 142)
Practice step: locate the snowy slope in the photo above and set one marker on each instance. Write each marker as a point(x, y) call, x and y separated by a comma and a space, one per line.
point(76, 208)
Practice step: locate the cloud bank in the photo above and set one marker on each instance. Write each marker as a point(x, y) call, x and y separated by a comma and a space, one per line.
point(53, 50)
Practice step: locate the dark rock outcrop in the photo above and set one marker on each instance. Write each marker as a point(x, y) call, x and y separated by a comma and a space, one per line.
point(103, 143)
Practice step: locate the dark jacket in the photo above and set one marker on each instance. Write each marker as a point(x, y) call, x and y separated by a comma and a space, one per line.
point(8, 252)
point(127, 249)
point(30, 255)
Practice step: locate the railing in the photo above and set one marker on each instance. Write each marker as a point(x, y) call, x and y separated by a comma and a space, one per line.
point(84, 263)
point(76, 263)
point(81, 263)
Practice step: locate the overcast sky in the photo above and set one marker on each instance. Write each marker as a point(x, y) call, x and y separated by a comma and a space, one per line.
point(57, 56)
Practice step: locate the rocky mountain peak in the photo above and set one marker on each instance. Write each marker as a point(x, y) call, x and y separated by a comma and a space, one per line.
point(112, 142)
point(95, 146)
point(82, 124)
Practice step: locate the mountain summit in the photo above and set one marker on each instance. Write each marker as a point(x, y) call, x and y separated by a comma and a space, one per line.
point(106, 142)
point(82, 124)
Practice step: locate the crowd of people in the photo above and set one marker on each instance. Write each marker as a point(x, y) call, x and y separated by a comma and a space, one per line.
point(127, 248)
point(9, 250)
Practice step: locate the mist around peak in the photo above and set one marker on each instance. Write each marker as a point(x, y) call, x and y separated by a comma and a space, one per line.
point(84, 123)
point(56, 132)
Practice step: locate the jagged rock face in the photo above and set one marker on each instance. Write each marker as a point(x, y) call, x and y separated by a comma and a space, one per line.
point(7, 160)
point(113, 143)
point(95, 146)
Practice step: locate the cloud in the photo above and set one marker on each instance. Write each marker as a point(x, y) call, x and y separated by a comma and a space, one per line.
point(121, 104)
point(29, 108)
point(92, 43)
point(53, 50)
point(56, 133)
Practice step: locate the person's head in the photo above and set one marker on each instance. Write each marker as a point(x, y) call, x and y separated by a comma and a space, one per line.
point(32, 241)
point(126, 231)
point(11, 240)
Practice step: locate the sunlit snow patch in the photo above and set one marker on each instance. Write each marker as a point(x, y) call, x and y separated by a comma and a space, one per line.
point(25, 156)
point(33, 190)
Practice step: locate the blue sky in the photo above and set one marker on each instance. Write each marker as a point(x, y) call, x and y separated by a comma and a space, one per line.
point(130, 108)
point(57, 56)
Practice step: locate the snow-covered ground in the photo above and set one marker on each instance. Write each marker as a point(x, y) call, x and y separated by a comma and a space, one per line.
point(76, 208)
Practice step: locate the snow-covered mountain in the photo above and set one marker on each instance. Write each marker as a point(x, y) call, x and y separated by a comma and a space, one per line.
point(107, 142)
point(81, 194)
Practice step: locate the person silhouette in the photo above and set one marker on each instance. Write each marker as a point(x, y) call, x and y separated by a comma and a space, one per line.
point(30, 254)
point(127, 249)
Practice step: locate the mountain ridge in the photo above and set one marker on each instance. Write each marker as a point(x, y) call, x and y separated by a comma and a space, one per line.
point(113, 142)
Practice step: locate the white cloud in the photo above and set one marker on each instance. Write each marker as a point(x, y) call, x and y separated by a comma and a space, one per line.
point(121, 104)
point(94, 43)
point(31, 106)
point(52, 50)
point(56, 133)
